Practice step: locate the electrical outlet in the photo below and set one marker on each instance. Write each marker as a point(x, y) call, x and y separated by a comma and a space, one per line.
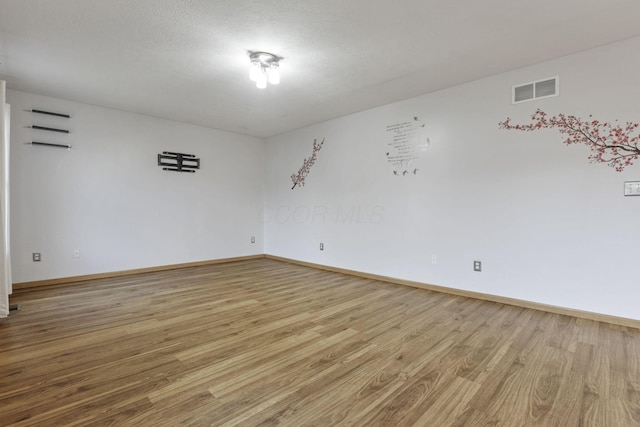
point(253, 239)
point(434, 259)
point(322, 246)
point(76, 253)
point(477, 265)
point(37, 257)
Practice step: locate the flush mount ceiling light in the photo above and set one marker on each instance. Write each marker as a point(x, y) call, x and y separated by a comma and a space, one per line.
point(265, 67)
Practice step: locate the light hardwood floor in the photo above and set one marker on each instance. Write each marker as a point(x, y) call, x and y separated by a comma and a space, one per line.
point(265, 343)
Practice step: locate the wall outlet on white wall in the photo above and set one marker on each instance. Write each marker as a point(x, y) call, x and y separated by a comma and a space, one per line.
point(322, 246)
point(76, 253)
point(253, 239)
point(477, 265)
point(36, 257)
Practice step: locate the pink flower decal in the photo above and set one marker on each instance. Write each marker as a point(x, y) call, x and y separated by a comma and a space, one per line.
point(298, 178)
point(611, 143)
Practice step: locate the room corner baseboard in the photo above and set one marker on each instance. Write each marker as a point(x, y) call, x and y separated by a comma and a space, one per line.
point(615, 320)
point(77, 279)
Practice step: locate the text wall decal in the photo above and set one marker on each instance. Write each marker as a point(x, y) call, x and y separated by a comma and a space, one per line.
point(406, 140)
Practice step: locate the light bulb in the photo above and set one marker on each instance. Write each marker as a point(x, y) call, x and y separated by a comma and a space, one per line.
point(261, 81)
point(274, 74)
point(254, 71)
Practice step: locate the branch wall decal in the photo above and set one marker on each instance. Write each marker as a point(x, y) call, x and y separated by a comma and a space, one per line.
point(611, 143)
point(298, 178)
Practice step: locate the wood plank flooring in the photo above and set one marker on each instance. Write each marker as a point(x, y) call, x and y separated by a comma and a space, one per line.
point(265, 343)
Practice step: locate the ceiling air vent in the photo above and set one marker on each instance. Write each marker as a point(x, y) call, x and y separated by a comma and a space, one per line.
point(535, 90)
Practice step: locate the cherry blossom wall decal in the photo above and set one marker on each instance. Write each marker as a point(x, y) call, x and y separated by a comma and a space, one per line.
point(298, 178)
point(614, 144)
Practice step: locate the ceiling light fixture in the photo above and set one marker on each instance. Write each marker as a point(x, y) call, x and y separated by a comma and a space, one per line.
point(265, 67)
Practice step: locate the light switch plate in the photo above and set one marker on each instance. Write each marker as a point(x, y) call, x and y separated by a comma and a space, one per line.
point(632, 188)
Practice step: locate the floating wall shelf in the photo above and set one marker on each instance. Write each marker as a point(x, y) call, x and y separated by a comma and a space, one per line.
point(49, 113)
point(49, 144)
point(49, 128)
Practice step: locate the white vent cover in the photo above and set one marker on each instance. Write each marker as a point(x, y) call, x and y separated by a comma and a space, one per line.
point(539, 89)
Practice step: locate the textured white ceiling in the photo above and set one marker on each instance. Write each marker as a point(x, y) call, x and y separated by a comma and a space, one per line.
point(186, 59)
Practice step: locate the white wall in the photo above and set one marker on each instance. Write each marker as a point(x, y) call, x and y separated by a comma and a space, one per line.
point(548, 226)
point(108, 198)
